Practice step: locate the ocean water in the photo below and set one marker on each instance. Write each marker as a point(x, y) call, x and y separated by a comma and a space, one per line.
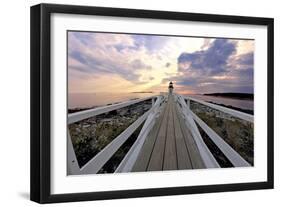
point(84, 100)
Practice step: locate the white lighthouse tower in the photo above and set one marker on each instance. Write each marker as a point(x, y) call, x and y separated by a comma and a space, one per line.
point(171, 87)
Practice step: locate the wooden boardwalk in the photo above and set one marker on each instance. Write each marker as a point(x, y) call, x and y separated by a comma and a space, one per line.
point(169, 145)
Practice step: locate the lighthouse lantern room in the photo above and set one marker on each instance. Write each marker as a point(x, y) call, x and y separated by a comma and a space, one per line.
point(171, 87)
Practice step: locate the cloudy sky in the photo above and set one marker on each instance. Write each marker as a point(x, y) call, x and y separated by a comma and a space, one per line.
point(105, 62)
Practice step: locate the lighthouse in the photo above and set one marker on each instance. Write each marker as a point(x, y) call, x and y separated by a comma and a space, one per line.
point(171, 87)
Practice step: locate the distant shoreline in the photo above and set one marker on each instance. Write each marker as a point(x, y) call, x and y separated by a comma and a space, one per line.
point(246, 96)
point(143, 92)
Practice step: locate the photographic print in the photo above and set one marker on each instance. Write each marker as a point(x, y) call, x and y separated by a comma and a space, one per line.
point(132, 103)
point(155, 102)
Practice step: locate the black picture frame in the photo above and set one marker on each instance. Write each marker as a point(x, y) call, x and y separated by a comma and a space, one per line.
point(41, 96)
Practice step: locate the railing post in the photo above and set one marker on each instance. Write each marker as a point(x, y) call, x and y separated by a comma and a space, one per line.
point(188, 103)
point(72, 163)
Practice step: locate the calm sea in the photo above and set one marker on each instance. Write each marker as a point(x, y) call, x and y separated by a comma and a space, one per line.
point(84, 100)
point(239, 103)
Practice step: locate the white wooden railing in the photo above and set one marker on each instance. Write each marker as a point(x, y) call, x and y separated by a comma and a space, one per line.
point(207, 156)
point(98, 161)
point(148, 121)
point(190, 118)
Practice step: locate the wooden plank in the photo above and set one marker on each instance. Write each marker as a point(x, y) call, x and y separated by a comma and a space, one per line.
point(196, 160)
point(205, 154)
point(183, 158)
point(142, 161)
point(156, 159)
point(130, 158)
point(170, 155)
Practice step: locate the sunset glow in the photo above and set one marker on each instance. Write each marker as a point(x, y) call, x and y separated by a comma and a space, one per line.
point(106, 62)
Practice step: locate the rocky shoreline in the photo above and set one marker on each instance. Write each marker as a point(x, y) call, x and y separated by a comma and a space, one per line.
point(90, 136)
point(239, 134)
